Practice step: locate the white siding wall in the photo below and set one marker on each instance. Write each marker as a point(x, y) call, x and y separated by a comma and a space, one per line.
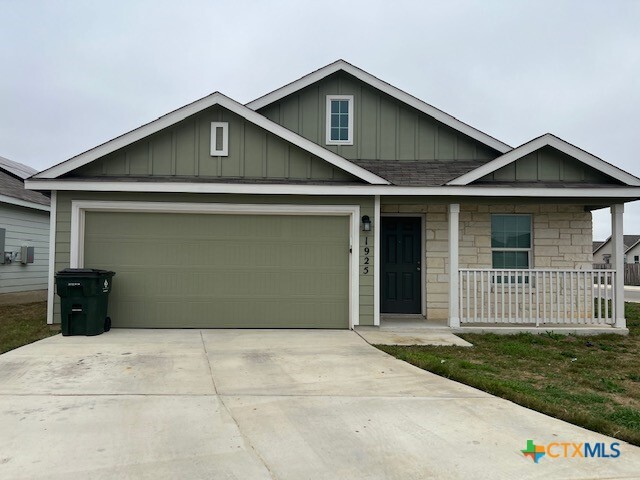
point(24, 226)
point(604, 251)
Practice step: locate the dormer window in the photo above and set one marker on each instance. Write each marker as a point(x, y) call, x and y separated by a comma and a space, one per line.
point(339, 119)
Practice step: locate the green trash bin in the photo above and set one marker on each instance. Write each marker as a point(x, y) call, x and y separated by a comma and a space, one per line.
point(84, 295)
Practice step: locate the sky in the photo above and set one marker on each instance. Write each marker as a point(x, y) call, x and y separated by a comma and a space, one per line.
point(76, 73)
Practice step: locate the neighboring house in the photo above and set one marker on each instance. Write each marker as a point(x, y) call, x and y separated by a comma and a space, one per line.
point(597, 244)
point(331, 202)
point(602, 253)
point(24, 231)
point(632, 254)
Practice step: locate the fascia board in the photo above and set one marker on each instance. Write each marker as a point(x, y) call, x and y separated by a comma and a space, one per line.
point(24, 203)
point(628, 193)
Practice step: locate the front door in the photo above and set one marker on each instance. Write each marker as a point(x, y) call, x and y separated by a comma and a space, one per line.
point(400, 266)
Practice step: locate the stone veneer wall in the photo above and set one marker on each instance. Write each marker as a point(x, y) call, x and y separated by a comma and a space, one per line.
point(562, 238)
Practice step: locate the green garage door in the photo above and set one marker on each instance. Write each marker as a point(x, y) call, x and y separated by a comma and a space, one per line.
point(222, 271)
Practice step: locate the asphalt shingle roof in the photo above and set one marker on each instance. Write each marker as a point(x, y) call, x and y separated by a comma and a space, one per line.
point(13, 186)
point(19, 169)
point(630, 240)
point(419, 173)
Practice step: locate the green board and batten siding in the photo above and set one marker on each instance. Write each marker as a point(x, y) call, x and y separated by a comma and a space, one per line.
point(548, 165)
point(384, 128)
point(184, 151)
point(97, 224)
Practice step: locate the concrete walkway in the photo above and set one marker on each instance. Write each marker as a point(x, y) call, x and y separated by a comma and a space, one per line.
point(156, 404)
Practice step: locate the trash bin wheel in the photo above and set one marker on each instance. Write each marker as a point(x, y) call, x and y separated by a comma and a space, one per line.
point(107, 324)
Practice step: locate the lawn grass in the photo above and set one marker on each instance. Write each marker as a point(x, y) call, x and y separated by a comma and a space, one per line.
point(593, 381)
point(23, 324)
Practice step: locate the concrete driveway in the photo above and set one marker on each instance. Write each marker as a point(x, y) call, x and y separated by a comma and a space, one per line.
point(166, 404)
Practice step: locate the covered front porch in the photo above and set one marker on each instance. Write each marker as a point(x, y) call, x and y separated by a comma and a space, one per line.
point(471, 281)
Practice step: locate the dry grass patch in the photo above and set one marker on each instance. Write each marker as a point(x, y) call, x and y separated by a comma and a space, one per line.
point(590, 381)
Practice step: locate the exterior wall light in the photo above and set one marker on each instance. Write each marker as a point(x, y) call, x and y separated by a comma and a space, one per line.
point(366, 223)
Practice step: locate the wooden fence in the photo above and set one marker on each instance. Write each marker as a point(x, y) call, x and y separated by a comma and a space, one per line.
point(631, 272)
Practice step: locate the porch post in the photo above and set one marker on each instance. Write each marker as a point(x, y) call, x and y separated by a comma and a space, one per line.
point(617, 260)
point(376, 260)
point(454, 307)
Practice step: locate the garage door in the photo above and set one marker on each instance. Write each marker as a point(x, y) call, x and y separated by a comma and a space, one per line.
point(222, 271)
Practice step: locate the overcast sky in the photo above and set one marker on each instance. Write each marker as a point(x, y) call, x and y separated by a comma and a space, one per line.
point(74, 74)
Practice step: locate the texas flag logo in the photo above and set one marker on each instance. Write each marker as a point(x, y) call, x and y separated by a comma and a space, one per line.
point(536, 452)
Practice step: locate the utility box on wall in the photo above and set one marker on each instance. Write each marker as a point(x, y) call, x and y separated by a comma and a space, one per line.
point(26, 254)
point(3, 233)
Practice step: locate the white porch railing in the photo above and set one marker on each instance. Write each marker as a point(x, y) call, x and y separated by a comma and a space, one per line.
point(537, 297)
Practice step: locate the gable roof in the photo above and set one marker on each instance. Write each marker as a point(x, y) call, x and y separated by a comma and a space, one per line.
point(597, 244)
point(341, 65)
point(628, 241)
point(12, 188)
point(180, 114)
point(552, 141)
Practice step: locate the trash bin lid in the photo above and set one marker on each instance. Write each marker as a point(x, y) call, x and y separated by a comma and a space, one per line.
point(83, 272)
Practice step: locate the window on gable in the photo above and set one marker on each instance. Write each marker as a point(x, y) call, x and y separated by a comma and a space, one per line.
point(219, 139)
point(339, 119)
point(511, 241)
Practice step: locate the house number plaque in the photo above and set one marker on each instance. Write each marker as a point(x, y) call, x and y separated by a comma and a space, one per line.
point(367, 250)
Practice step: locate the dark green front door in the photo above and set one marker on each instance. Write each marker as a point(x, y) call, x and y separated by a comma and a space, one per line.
point(400, 266)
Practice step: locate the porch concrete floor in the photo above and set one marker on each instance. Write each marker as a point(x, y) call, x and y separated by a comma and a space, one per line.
point(410, 330)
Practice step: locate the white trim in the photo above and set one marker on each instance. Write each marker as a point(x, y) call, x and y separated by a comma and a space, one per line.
point(24, 203)
point(538, 143)
point(377, 226)
point(529, 250)
point(80, 207)
point(617, 259)
point(176, 116)
point(328, 113)
point(423, 259)
point(454, 264)
point(394, 92)
point(224, 151)
point(627, 193)
point(52, 257)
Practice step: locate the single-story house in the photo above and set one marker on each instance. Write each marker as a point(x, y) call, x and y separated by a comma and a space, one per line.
point(24, 231)
point(603, 251)
point(335, 201)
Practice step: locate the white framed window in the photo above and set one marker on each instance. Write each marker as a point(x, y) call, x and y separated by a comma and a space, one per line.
point(636, 259)
point(219, 139)
point(511, 245)
point(339, 120)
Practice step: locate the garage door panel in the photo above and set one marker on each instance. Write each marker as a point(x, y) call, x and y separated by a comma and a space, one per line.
point(229, 271)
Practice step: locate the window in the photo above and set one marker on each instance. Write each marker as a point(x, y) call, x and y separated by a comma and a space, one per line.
point(339, 119)
point(511, 241)
point(606, 258)
point(636, 259)
point(219, 139)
